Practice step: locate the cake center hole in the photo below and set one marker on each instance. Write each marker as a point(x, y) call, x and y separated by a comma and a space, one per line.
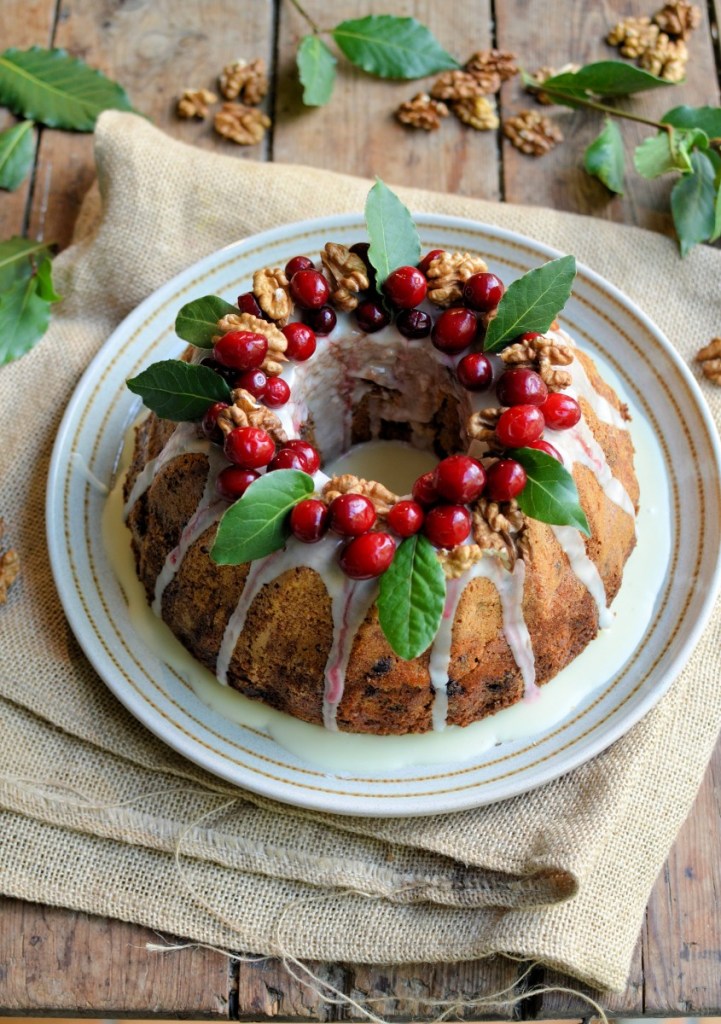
point(393, 463)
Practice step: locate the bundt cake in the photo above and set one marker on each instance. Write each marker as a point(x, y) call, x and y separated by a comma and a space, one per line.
point(350, 605)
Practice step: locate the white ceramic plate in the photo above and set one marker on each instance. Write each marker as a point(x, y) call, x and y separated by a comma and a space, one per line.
point(602, 319)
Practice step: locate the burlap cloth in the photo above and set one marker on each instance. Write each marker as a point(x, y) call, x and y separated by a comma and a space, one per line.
point(92, 807)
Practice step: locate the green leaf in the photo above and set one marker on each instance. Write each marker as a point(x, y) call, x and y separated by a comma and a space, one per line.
point(44, 282)
point(708, 119)
point(668, 151)
point(604, 157)
point(693, 204)
point(316, 69)
point(716, 233)
point(611, 78)
point(550, 495)
point(197, 321)
point(177, 390)
point(564, 82)
point(257, 524)
point(394, 240)
point(16, 259)
point(24, 318)
point(531, 303)
point(57, 90)
point(16, 154)
point(392, 47)
point(411, 598)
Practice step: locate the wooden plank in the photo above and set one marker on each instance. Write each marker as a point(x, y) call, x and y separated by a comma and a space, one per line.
point(22, 25)
point(266, 989)
point(576, 32)
point(58, 961)
point(357, 133)
point(155, 49)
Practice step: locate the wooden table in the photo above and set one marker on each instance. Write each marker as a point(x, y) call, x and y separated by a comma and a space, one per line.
point(57, 961)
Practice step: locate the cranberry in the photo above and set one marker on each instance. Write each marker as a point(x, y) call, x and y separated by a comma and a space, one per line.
point(424, 489)
point(483, 292)
point(249, 447)
point(297, 263)
point(446, 526)
point(309, 520)
point(209, 422)
point(428, 259)
point(309, 289)
point(368, 556)
point(475, 371)
point(307, 452)
point(520, 425)
point(405, 287)
point(277, 392)
point(352, 514)
point(544, 446)
point(406, 518)
point(301, 341)
point(459, 479)
point(254, 381)
point(322, 320)
point(506, 479)
point(247, 303)
point(413, 323)
point(241, 350)
point(454, 330)
point(371, 316)
point(286, 458)
point(520, 386)
point(561, 411)
point(232, 482)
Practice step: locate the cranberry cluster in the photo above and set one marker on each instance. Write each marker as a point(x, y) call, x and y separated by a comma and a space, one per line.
point(368, 553)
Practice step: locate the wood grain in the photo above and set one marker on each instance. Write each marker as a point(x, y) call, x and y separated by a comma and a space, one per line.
point(267, 989)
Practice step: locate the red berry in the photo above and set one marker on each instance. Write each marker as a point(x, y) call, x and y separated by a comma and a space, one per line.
point(309, 289)
point(506, 478)
point(406, 287)
point(232, 482)
point(247, 303)
point(483, 292)
point(454, 330)
point(209, 422)
point(520, 386)
point(371, 317)
point(241, 350)
point(428, 259)
point(249, 447)
point(297, 263)
point(309, 520)
point(254, 381)
point(459, 479)
point(352, 514)
point(520, 425)
point(414, 323)
point(424, 489)
point(277, 392)
point(561, 411)
point(406, 518)
point(475, 371)
point(446, 526)
point(322, 320)
point(544, 446)
point(368, 556)
point(301, 341)
point(307, 452)
point(286, 458)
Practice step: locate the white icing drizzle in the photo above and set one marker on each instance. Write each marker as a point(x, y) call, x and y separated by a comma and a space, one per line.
point(350, 601)
point(585, 569)
point(182, 441)
point(439, 664)
point(579, 445)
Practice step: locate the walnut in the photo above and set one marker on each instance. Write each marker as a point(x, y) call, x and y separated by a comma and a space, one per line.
point(501, 63)
point(542, 74)
point(195, 102)
point(533, 133)
point(382, 498)
point(555, 380)
point(448, 272)
point(678, 18)
point(9, 568)
point(666, 59)
point(710, 358)
point(500, 526)
point(347, 275)
point(247, 412)
point(247, 81)
point(277, 341)
point(633, 36)
point(456, 85)
point(542, 353)
point(459, 560)
point(481, 426)
point(241, 124)
point(422, 112)
point(270, 287)
point(478, 112)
